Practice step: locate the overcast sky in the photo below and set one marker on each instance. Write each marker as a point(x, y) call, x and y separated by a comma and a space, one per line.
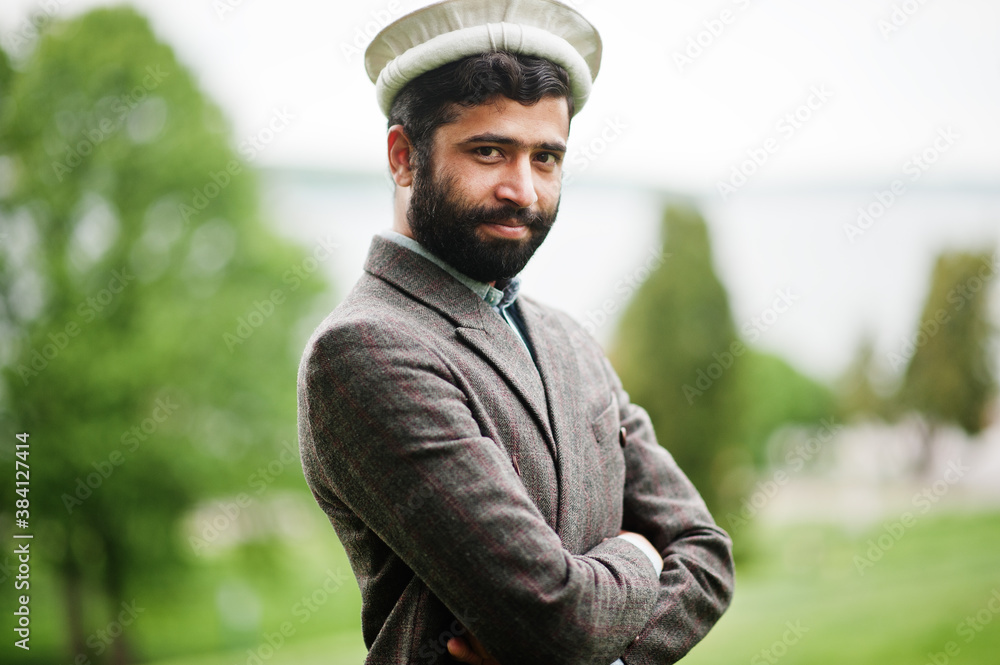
point(690, 103)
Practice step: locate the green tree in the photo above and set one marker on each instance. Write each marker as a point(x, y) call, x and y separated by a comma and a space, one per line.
point(674, 351)
point(860, 390)
point(773, 394)
point(776, 394)
point(6, 76)
point(145, 310)
point(713, 400)
point(950, 376)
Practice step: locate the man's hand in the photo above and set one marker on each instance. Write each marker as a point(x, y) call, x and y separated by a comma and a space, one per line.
point(468, 650)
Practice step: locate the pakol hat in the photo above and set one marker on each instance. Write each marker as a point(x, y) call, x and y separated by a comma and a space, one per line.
point(454, 29)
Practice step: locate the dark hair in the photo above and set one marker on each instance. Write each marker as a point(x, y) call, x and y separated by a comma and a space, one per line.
point(429, 100)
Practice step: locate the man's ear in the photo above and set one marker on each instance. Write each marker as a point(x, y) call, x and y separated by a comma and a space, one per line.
point(400, 153)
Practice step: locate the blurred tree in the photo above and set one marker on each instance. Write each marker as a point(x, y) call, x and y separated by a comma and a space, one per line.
point(776, 394)
point(145, 311)
point(858, 391)
point(675, 349)
point(6, 76)
point(713, 400)
point(950, 361)
point(773, 394)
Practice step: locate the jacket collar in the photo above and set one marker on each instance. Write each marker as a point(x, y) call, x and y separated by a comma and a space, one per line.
point(427, 282)
point(476, 324)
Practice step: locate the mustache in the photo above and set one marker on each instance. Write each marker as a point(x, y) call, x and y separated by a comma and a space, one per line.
point(490, 215)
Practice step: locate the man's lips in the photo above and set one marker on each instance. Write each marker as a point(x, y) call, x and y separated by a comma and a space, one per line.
point(506, 218)
point(508, 228)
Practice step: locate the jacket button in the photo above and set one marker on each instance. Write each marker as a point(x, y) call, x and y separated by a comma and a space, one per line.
point(621, 436)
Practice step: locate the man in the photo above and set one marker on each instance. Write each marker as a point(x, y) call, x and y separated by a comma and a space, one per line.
point(499, 497)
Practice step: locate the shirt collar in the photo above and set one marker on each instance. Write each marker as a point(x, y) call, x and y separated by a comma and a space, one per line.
point(499, 298)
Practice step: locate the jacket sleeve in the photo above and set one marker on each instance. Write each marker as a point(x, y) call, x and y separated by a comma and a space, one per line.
point(696, 584)
point(381, 418)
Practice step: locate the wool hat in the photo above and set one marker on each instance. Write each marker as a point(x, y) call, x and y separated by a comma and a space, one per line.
point(448, 31)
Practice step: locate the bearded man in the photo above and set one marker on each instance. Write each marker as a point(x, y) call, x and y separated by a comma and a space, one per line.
point(499, 497)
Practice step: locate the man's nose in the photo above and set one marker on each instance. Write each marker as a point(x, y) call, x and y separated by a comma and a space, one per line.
point(518, 184)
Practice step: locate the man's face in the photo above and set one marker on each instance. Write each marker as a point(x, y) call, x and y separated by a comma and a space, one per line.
point(489, 194)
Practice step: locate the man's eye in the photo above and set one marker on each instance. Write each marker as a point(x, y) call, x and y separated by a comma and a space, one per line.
point(487, 151)
point(548, 158)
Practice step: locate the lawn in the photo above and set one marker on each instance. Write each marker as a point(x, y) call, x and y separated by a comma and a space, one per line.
point(801, 600)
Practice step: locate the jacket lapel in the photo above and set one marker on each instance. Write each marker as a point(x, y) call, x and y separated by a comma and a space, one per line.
point(498, 345)
point(475, 323)
point(557, 365)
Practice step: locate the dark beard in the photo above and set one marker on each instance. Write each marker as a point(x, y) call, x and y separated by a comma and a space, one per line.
point(448, 228)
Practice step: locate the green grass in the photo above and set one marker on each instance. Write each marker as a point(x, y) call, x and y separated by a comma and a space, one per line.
point(222, 604)
point(906, 606)
point(339, 649)
point(903, 608)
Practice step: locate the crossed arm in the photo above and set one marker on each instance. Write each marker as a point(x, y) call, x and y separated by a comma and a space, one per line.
point(696, 584)
point(378, 405)
point(468, 649)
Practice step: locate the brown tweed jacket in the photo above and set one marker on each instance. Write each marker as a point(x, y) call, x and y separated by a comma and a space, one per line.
point(473, 491)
